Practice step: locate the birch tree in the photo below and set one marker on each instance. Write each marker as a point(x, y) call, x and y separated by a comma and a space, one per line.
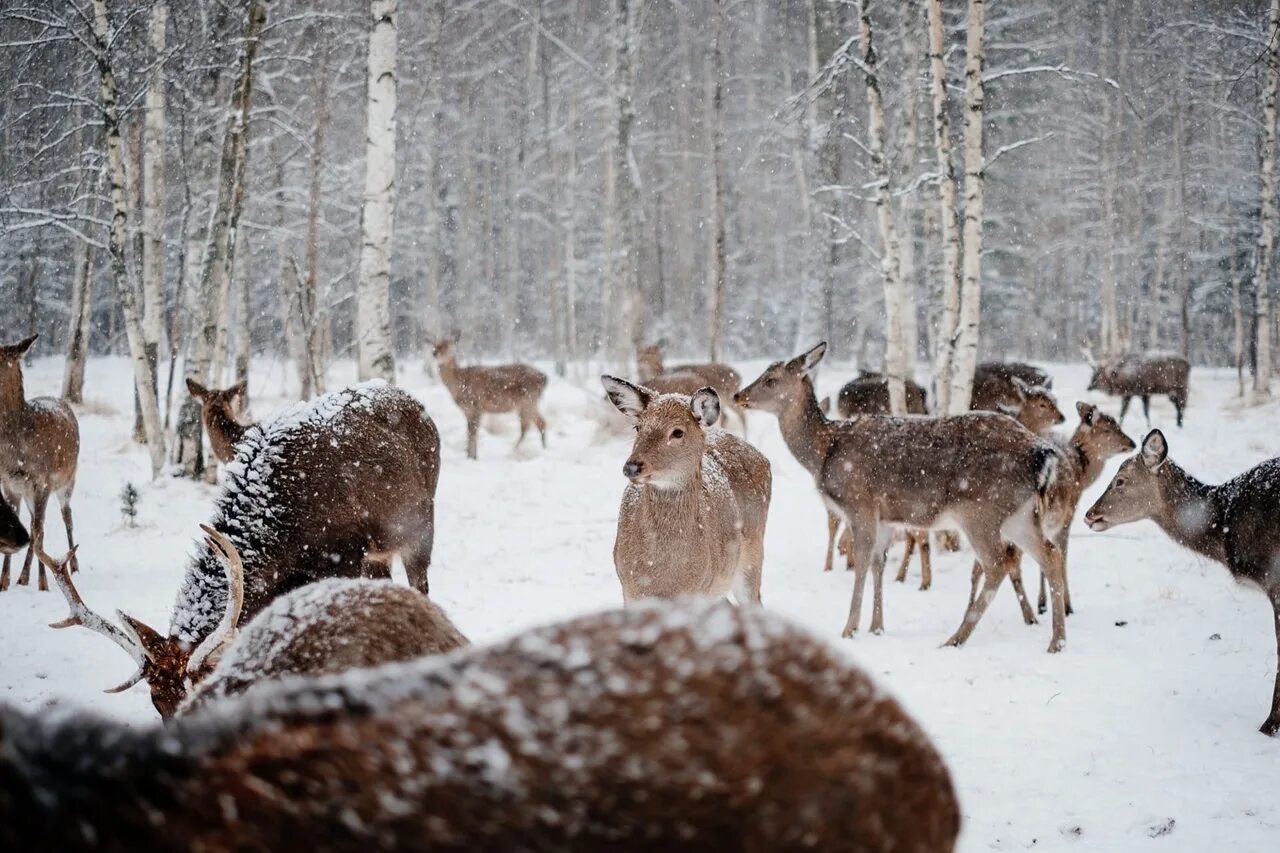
point(373, 289)
point(716, 272)
point(153, 189)
point(1266, 237)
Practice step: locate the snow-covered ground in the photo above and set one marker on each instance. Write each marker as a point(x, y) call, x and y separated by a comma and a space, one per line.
point(1141, 735)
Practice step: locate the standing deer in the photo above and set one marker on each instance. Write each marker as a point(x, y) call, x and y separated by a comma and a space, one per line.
point(1142, 376)
point(658, 727)
point(868, 394)
point(1233, 523)
point(218, 411)
point(1030, 404)
point(39, 449)
point(13, 536)
point(688, 378)
point(492, 390)
point(332, 488)
point(693, 516)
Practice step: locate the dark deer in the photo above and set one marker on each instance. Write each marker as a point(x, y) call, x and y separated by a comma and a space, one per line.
point(1001, 373)
point(688, 378)
point(492, 390)
point(218, 411)
point(1233, 523)
point(868, 394)
point(334, 487)
point(1142, 376)
point(39, 449)
point(13, 536)
point(657, 727)
point(1001, 387)
point(693, 516)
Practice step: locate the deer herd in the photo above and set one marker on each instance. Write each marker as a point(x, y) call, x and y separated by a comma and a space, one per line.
point(311, 701)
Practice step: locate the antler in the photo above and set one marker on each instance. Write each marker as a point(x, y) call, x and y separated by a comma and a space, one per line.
point(225, 633)
point(81, 615)
point(1087, 352)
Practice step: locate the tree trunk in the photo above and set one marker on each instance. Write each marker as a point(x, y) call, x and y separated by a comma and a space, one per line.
point(153, 191)
point(625, 201)
point(143, 370)
point(716, 268)
point(81, 326)
point(308, 304)
point(1266, 239)
point(244, 321)
point(914, 56)
point(945, 336)
point(377, 220)
point(966, 354)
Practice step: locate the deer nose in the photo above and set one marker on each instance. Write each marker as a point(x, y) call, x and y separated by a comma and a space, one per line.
point(632, 469)
point(739, 400)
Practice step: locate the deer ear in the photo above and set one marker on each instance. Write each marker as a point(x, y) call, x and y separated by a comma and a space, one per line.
point(196, 389)
point(705, 405)
point(629, 399)
point(1006, 409)
point(1021, 387)
point(1155, 450)
point(1086, 413)
point(148, 639)
point(239, 389)
point(808, 360)
point(20, 347)
point(825, 405)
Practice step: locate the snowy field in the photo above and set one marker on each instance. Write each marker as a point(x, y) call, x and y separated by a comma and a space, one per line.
point(1142, 735)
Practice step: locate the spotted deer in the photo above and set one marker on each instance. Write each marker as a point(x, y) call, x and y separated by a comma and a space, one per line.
point(693, 515)
point(218, 411)
point(13, 536)
point(39, 451)
point(688, 378)
point(1233, 523)
point(661, 726)
point(333, 488)
point(1097, 439)
point(492, 390)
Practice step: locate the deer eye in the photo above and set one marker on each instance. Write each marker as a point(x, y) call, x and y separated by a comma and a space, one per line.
point(771, 381)
point(677, 433)
point(1120, 482)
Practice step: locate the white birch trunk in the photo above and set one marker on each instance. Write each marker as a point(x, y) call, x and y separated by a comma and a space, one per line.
point(624, 196)
point(716, 267)
point(78, 343)
point(966, 352)
point(153, 187)
point(377, 222)
point(1266, 239)
point(143, 370)
point(945, 335)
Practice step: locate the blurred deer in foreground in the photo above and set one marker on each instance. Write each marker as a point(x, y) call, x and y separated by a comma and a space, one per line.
point(13, 535)
point(1142, 375)
point(39, 449)
point(492, 390)
point(1233, 523)
point(688, 378)
point(218, 411)
point(693, 516)
point(656, 727)
point(334, 487)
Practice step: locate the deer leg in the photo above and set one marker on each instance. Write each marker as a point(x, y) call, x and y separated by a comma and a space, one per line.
point(1061, 542)
point(417, 554)
point(524, 426)
point(993, 556)
point(473, 427)
point(833, 527)
point(883, 538)
point(542, 426)
point(862, 548)
point(1015, 578)
point(1051, 560)
point(1178, 404)
point(1272, 725)
point(975, 580)
point(1146, 408)
point(64, 502)
point(1041, 602)
point(4, 574)
point(1124, 407)
point(908, 548)
point(37, 541)
point(750, 571)
point(926, 561)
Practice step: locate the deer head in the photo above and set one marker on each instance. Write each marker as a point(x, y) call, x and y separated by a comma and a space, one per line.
point(669, 431)
point(782, 383)
point(1037, 408)
point(166, 663)
point(1101, 433)
point(446, 350)
point(11, 369)
point(229, 399)
point(1135, 491)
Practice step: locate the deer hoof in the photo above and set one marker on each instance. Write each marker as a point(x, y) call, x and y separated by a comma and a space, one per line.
point(1271, 727)
point(848, 633)
point(1057, 644)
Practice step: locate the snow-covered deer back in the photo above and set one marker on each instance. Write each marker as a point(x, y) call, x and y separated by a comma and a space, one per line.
point(656, 727)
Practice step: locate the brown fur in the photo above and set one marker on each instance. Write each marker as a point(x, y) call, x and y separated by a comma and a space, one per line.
point(39, 450)
point(13, 535)
point(218, 411)
point(688, 378)
point(492, 390)
point(999, 387)
point(1233, 523)
point(693, 516)
point(1144, 376)
point(659, 727)
point(868, 394)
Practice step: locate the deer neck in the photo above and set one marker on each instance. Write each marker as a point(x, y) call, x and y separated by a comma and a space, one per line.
point(1089, 464)
point(676, 508)
point(806, 430)
point(1191, 514)
point(448, 371)
point(13, 396)
point(222, 423)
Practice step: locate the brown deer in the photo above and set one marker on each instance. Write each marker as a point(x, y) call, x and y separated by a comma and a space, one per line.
point(333, 487)
point(868, 394)
point(492, 390)
point(39, 449)
point(1130, 376)
point(13, 536)
point(693, 516)
point(218, 410)
point(1233, 523)
point(664, 726)
point(688, 378)
point(1032, 405)
point(1001, 374)
point(1085, 453)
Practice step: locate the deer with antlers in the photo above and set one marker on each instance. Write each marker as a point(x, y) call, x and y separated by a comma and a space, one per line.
point(1142, 375)
point(39, 450)
point(334, 487)
point(218, 411)
point(664, 726)
point(492, 390)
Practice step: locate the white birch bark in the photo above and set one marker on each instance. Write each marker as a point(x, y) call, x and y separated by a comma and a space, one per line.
point(153, 186)
point(624, 196)
point(78, 344)
point(966, 352)
point(143, 370)
point(716, 266)
point(377, 222)
point(1266, 239)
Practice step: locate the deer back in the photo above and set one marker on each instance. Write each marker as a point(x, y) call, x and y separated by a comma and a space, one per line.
point(868, 394)
point(1144, 375)
point(658, 727)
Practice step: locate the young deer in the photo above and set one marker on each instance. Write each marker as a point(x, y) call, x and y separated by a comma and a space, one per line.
point(333, 488)
point(218, 411)
point(1233, 523)
point(658, 727)
point(687, 379)
point(1033, 406)
point(1142, 376)
point(693, 516)
point(39, 449)
point(13, 536)
point(492, 390)
point(1085, 453)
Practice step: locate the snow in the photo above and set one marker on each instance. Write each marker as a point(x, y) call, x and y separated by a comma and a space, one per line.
point(1142, 735)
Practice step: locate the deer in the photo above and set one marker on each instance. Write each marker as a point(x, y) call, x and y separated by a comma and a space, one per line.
point(1031, 404)
point(492, 390)
point(1233, 523)
point(218, 411)
point(1097, 439)
point(13, 536)
point(1142, 375)
point(1002, 373)
point(693, 514)
point(688, 378)
point(334, 487)
point(39, 451)
point(666, 725)
point(868, 394)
